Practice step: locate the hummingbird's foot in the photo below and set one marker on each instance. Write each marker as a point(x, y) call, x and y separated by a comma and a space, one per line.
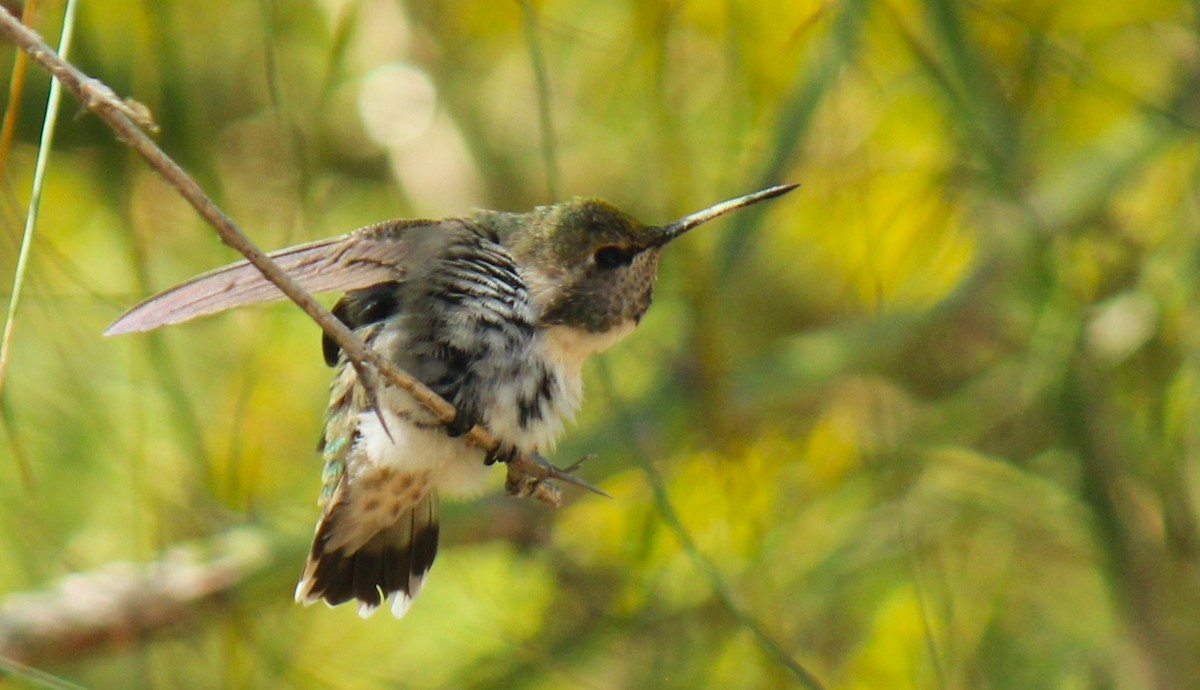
point(461, 424)
point(528, 475)
point(502, 453)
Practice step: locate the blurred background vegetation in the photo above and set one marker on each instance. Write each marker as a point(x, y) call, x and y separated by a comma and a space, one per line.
point(930, 421)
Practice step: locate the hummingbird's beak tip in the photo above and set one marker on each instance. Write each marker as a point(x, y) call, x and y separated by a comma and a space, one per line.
point(769, 193)
point(673, 230)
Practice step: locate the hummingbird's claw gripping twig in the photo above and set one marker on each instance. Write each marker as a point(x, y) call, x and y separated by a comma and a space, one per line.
point(366, 375)
point(528, 475)
point(567, 475)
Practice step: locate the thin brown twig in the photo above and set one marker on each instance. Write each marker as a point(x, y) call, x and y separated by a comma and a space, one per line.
point(527, 473)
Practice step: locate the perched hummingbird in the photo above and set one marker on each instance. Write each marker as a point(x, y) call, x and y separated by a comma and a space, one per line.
point(495, 312)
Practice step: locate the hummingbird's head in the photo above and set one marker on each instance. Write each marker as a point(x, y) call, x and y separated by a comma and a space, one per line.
point(591, 266)
point(588, 264)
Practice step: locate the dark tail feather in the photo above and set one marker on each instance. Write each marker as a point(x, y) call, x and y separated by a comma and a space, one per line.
point(392, 563)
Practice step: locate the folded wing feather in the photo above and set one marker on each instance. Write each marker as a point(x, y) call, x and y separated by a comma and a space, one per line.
point(366, 257)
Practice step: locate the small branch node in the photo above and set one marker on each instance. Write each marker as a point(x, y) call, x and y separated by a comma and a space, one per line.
point(96, 95)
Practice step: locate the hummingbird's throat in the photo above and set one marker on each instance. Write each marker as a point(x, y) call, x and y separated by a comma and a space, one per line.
point(569, 346)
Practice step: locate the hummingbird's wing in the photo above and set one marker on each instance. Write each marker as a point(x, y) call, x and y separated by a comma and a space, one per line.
point(365, 257)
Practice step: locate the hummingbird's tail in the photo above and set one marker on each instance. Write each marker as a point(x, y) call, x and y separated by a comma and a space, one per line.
point(390, 562)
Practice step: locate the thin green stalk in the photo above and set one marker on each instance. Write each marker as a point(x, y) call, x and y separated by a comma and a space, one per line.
point(666, 510)
point(287, 118)
point(916, 572)
point(549, 156)
point(705, 566)
point(35, 198)
point(33, 676)
point(795, 120)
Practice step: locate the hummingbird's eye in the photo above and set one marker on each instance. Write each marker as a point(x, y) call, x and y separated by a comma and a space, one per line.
point(612, 257)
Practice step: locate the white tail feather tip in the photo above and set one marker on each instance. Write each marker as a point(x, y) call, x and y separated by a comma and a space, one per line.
point(401, 604)
point(303, 593)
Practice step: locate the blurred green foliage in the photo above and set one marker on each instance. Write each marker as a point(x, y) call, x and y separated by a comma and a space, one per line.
point(930, 421)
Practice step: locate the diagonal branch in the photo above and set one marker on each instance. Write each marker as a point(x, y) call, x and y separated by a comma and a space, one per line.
point(127, 119)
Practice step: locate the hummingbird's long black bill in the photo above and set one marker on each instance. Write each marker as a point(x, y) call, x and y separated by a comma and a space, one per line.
point(673, 230)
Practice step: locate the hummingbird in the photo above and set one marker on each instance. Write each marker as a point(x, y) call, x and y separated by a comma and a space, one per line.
point(496, 312)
